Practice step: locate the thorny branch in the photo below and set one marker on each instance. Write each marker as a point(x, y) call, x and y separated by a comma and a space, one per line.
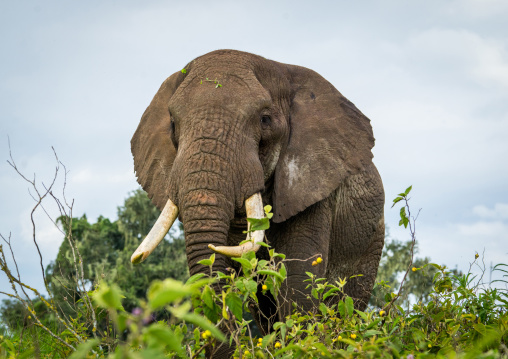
point(65, 212)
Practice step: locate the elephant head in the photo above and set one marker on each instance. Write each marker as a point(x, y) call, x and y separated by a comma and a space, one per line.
point(232, 127)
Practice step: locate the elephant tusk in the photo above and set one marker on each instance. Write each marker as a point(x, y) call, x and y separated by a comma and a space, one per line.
point(254, 208)
point(157, 233)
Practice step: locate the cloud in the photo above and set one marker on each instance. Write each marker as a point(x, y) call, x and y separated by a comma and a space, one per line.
point(478, 9)
point(484, 231)
point(447, 51)
point(90, 175)
point(500, 211)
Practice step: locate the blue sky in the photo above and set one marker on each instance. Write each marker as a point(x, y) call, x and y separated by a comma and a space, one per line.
point(431, 75)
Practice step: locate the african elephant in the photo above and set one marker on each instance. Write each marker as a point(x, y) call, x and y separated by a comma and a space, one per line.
point(233, 131)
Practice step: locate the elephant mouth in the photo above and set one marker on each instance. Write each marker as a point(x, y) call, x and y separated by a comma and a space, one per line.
point(254, 209)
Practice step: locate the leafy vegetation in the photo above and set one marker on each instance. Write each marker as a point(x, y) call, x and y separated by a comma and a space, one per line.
point(435, 312)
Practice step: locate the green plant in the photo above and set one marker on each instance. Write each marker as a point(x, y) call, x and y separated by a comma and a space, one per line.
point(461, 318)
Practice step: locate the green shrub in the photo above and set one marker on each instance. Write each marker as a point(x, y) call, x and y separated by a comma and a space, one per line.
point(456, 318)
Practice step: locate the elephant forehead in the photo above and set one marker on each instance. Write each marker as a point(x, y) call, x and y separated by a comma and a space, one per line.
point(229, 91)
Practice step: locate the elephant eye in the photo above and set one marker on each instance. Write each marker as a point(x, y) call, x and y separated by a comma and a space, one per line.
point(173, 133)
point(266, 120)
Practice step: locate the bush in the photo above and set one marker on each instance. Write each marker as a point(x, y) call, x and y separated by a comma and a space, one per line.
point(460, 318)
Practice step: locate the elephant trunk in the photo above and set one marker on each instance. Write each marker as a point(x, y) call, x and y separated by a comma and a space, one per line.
point(206, 214)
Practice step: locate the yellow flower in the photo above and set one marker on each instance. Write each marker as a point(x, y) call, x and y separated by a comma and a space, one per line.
point(476, 256)
point(260, 340)
point(247, 353)
point(339, 337)
point(314, 263)
point(414, 269)
point(208, 333)
point(277, 345)
point(264, 287)
point(260, 344)
point(203, 335)
point(319, 259)
point(29, 317)
point(353, 336)
point(430, 345)
point(382, 312)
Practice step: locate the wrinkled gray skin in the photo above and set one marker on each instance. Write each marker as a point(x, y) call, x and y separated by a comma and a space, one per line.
point(275, 128)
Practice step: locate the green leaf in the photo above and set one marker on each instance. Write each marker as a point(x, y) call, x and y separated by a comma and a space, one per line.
point(406, 192)
point(396, 200)
point(258, 224)
point(167, 292)
point(160, 335)
point(330, 292)
point(282, 270)
point(83, 349)
point(279, 255)
point(205, 262)
point(323, 309)
point(262, 263)
point(362, 315)
point(183, 71)
point(278, 325)
point(271, 273)
point(250, 255)
point(211, 313)
point(208, 262)
point(246, 265)
point(108, 297)
point(480, 328)
point(251, 286)
point(341, 307)
point(349, 306)
point(370, 333)
point(195, 278)
point(204, 324)
point(234, 304)
point(224, 306)
point(207, 297)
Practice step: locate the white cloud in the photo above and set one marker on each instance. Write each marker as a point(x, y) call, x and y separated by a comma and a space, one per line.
point(445, 51)
point(91, 175)
point(500, 211)
point(485, 231)
point(478, 9)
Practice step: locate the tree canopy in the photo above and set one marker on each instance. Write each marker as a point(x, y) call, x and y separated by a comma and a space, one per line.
point(106, 247)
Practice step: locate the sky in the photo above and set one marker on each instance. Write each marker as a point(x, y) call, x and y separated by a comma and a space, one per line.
point(431, 75)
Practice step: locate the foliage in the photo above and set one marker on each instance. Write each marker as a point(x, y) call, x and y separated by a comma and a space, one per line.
point(460, 319)
point(417, 288)
point(56, 324)
point(106, 247)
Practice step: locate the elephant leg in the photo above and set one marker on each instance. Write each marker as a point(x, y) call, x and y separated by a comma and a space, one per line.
point(301, 239)
point(264, 312)
point(360, 288)
point(358, 234)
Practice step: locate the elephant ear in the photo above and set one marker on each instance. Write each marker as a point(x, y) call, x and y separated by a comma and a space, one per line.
point(151, 144)
point(330, 139)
